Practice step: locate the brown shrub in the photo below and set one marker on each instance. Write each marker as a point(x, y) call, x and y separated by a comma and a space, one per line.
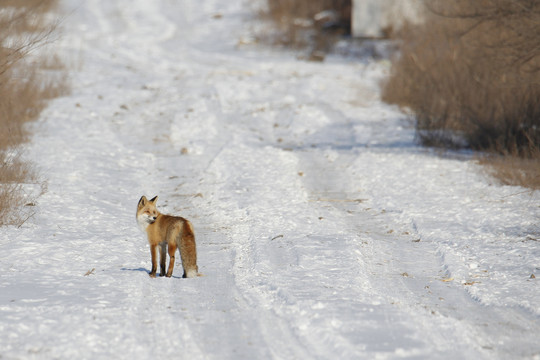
point(472, 70)
point(302, 23)
point(24, 90)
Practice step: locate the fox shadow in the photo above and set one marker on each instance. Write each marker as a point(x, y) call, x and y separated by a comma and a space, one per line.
point(148, 272)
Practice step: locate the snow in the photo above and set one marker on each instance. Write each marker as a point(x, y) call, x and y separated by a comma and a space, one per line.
point(323, 230)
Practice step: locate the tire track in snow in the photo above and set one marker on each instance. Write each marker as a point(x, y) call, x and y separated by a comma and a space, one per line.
point(169, 172)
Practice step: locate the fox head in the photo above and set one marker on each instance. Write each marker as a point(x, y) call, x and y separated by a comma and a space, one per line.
point(147, 212)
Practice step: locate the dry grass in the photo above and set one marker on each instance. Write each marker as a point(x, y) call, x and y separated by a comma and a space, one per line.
point(513, 170)
point(471, 76)
point(25, 87)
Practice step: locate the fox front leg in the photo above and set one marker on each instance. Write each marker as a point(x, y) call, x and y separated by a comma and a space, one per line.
point(154, 261)
point(162, 258)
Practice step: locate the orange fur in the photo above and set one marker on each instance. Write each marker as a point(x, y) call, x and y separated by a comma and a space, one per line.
point(168, 233)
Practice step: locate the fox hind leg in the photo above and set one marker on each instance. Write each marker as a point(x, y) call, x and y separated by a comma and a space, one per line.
point(172, 252)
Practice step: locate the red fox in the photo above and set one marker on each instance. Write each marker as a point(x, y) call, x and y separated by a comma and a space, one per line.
point(169, 231)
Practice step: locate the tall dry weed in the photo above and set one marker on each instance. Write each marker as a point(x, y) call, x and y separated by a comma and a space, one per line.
point(513, 170)
point(24, 90)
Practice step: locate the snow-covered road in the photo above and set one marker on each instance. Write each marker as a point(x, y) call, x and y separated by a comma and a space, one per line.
point(323, 231)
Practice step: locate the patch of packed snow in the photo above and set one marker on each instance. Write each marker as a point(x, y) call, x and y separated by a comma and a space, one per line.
point(323, 230)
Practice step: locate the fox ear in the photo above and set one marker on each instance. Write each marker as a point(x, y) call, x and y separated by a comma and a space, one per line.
point(142, 201)
point(153, 200)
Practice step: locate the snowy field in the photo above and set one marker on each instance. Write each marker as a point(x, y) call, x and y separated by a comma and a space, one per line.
point(323, 230)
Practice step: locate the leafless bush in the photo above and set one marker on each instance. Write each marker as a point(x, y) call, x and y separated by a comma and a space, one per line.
point(471, 72)
point(24, 90)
